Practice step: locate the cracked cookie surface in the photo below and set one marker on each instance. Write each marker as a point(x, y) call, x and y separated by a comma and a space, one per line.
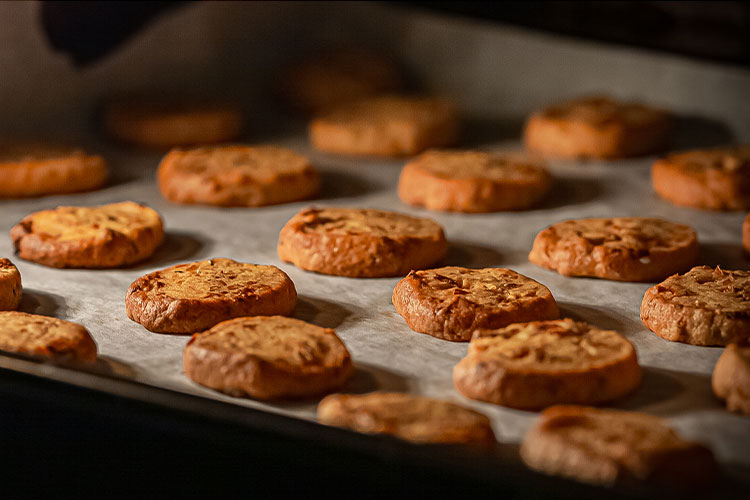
point(46, 337)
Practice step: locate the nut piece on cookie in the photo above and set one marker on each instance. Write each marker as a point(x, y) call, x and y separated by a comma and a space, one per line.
point(731, 378)
point(360, 243)
point(610, 447)
point(620, 248)
point(534, 365)
point(451, 302)
point(29, 169)
point(597, 127)
point(237, 176)
point(104, 236)
point(386, 126)
point(708, 307)
point(51, 338)
point(268, 357)
point(710, 179)
point(188, 298)
point(169, 123)
point(412, 418)
point(10, 286)
point(472, 181)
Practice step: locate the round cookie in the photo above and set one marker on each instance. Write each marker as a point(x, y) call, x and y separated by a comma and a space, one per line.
point(712, 179)
point(621, 248)
point(46, 337)
point(746, 236)
point(268, 357)
point(37, 169)
point(731, 378)
point(360, 243)
point(704, 306)
point(609, 447)
point(534, 365)
point(412, 418)
point(451, 302)
point(10, 286)
point(169, 123)
point(188, 298)
point(472, 181)
point(104, 236)
point(597, 127)
point(386, 126)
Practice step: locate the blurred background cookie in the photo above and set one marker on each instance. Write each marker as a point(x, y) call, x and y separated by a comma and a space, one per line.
point(731, 378)
point(10, 286)
point(46, 337)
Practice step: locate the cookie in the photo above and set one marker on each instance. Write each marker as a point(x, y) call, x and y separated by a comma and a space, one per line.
point(37, 169)
point(169, 123)
point(451, 302)
point(620, 248)
point(386, 126)
point(188, 298)
point(472, 181)
point(597, 127)
point(46, 337)
point(711, 179)
point(412, 418)
point(746, 236)
point(89, 237)
point(610, 447)
point(10, 286)
point(534, 365)
point(709, 307)
point(268, 357)
point(360, 243)
point(237, 176)
point(731, 378)
point(327, 80)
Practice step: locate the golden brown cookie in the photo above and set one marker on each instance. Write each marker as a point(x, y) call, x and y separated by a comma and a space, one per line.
point(597, 127)
point(746, 236)
point(609, 447)
point(237, 176)
point(386, 126)
point(731, 378)
point(360, 243)
point(46, 337)
point(268, 357)
point(330, 79)
point(534, 365)
point(451, 302)
point(188, 298)
point(620, 248)
point(170, 123)
point(712, 179)
point(10, 286)
point(412, 418)
point(37, 169)
point(472, 181)
point(701, 307)
point(89, 237)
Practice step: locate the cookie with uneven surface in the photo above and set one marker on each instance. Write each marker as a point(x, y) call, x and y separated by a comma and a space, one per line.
point(10, 286)
point(412, 418)
point(268, 357)
point(709, 307)
point(472, 181)
point(386, 126)
point(710, 179)
point(746, 236)
point(534, 365)
point(597, 127)
point(360, 243)
point(451, 302)
point(45, 337)
point(237, 176)
point(188, 298)
point(620, 248)
point(103, 236)
point(610, 447)
point(29, 169)
point(731, 378)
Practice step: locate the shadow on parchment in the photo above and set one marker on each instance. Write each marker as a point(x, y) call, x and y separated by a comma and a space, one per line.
point(369, 378)
point(337, 184)
point(320, 312)
point(176, 248)
point(694, 132)
point(43, 303)
point(483, 131)
point(726, 255)
point(465, 254)
point(606, 320)
point(668, 392)
point(566, 191)
point(107, 365)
